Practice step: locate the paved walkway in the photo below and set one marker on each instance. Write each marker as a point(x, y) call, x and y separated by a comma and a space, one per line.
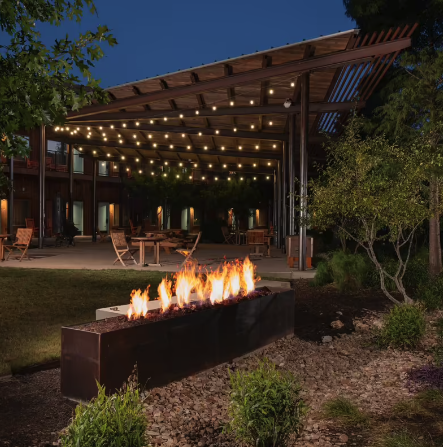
point(96, 256)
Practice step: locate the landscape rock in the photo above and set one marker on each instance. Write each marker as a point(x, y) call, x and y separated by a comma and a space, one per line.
point(326, 339)
point(337, 324)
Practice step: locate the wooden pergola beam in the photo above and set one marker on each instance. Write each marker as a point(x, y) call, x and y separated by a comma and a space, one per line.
point(315, 107)
point(312, 64)
point(160, 148)
point(193, 130)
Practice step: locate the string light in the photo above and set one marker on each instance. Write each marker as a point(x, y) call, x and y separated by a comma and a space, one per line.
point(151, 121)
point(188, 147)
point(224, 166)
point(222, 148)
point(271, 92)
point(274, 146)
point(229, 178)
point(102, 127)
point(252, 126)
point(138, 143)
point(165, 174)
point(94, 152)
point(255, 178)
point(231, 103)
point(62, 129)
point(240, 148)
point(255, 165)
point(205, 148)
point(120, 141)
point(56, 129)
point(251, 101)
point(199, 134)
point(210, 166)
point(197, 112)
point(86, 128)
point(119, 135)
point(152, 161)
point(269, 164)
point(155, 144)
point(152, 173)
point(105, 139)
point(166, 135)
point(216, 178)
point(190, 177)
point(78, 128)
point(195, 165)
point(123, 157)
point(112, 126)
point(127, 169)
point(149, 136)
point(178, 176)
point(108, 155)
point(171, 146)
point(165, 118)
point(166, 162)
point(217, 132)
point(239, 165)
point(292, 84)
point(270, 123)
point(241, 178)
point(235, 129)
point(180, 164)
point(181, 115)
point(214, 108)
point(257, 147)
point(183, 135)
point(80, 148)
point(140, 171)
point(137, 123)
point(267, 178)
point(67, 128)
point(88, 136)
point(137, 160)
point(203, 178)
point(134, 136)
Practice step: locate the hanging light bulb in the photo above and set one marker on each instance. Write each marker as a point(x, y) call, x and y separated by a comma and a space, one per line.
point(112, 126)
point(239, 165)
point(203, 178)
point(270, 123)
point(235, 129)
point(152, 161)
point(155, 144)
point(269, 164)
point(229, 178)
point(165, 118)
point(181, 115)
point(80, 148)
point(67, 128)
point(216, 178)
point(94, 152)
point(171, 146)
point(180, 164)
point(292, 84)
point(224, 166)
point(166, 162)
point(252, 126)
point(149, 136)
point(241, 178)
point(271, 92)
point(183, 135)
point(267, 178)
point(137, 123)
point(151, 121)
point(257, 146)
point(251, 102)
point(199, 134)
point(123, 157)
point(217, 132)
point(140, 171)
point(152, 173)
point(86, 128)
point(188, 147)
point(240, 148)
point(138, 143)
point(108, 155)
point(210, 166)
point(120, 141)
point(134, 136)
point(222, 148)
point(255, 178)
point(166, 135)
point(274, 146)
point(231, 103)
point(214, 108)
point(137, 160)
point(206, 148)
point(197, 112)
point(255, 165)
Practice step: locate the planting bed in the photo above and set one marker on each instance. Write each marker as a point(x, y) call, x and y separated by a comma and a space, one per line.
point(172, 345)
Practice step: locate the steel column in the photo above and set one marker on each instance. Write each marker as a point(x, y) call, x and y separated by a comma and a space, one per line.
point(94, 201)
point(278, 205)
point(291, 176)
point(11, 197)
point(304, 133)
point(284, 219)
point(42, 181)
point(70, 149)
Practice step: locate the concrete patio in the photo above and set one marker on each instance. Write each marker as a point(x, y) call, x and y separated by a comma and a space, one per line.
point(99, 256)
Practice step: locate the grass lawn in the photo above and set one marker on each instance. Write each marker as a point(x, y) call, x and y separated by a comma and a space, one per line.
point(35, 303)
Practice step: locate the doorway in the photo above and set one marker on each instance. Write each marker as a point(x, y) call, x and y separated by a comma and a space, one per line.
point(77, 215)
point(103, 216)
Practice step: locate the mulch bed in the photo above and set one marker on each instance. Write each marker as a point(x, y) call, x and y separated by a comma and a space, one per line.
point(32, 410)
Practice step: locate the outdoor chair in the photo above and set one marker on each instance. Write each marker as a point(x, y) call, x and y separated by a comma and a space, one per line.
point(124, 253)
point(229, 238)
point(31, 224)
point(21, 245)
point(133, 229)
point(188, 253)
point(30, 164)
point(103, 235)
point(256, 238)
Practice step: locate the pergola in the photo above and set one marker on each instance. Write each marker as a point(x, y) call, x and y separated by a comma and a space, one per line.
point(264, 114)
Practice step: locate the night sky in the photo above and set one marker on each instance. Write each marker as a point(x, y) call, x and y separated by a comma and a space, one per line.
point(156, 37)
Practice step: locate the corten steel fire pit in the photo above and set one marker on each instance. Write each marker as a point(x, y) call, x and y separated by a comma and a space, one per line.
point(174, 348)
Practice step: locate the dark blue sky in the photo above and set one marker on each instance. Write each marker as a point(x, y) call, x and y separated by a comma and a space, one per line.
point(156, 37)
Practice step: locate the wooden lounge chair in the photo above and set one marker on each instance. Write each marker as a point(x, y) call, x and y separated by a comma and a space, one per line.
point(121, 248)
point(103, 235)
point(21, 245)
point(229, 238)
point(188, 253)
point(256, 238)
point(31, 224)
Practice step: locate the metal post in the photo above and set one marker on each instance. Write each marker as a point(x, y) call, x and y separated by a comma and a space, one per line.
point(94, 200)
point(278, 205)
point(42, 181)
point(274, 208)
point(284, 219)
point(11, 197)
point(291, 176)
point(70, 150)
point(304, 132)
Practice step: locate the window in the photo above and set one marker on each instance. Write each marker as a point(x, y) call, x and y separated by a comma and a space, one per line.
point(103, 168)
point(78, 163)
point(57, 152)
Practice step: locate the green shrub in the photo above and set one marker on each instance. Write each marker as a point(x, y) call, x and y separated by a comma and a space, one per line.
point(265, 406)
point(403, 327)
point(323, 274)
point(345, 411)
point(349, 271)
point(431, 293)
point(109, 421)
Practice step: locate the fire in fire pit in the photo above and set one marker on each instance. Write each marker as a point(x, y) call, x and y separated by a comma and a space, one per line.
point(190, 284)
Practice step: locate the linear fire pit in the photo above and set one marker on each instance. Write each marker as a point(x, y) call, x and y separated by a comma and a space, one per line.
point(169, 349)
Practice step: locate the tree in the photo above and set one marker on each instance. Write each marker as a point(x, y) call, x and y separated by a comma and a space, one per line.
point(372, 190)
point(377, 15)
point(39, 85)
point(410, 100)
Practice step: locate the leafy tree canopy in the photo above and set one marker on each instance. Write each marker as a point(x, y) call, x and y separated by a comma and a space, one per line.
point(377, 15)
point(373, 190)
point(40, 84)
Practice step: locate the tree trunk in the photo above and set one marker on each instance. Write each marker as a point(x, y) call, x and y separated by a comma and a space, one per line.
point(435, 263)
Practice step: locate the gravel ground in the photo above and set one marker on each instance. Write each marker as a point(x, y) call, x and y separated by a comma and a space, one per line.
point(193, 411)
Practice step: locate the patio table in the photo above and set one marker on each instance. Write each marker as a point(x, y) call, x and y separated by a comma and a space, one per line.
point(268, 238)
point(2, 250)
point(142, 241)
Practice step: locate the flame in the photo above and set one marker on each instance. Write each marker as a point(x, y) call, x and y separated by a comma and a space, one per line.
point(227, 282)
point(139, 303)
point(165, 293)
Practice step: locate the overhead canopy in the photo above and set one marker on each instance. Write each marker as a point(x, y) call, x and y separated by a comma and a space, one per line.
point(231, 112)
